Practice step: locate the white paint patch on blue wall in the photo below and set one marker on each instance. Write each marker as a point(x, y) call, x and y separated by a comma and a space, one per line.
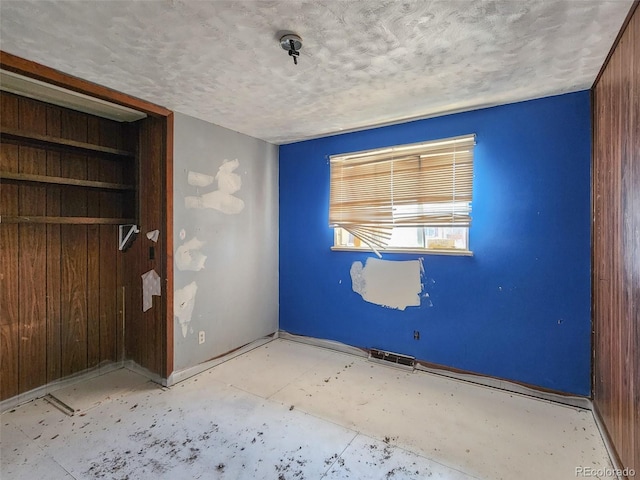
point(393, 284)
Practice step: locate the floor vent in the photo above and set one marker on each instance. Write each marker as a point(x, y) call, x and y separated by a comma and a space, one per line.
point(59, 404)
point(392, 359)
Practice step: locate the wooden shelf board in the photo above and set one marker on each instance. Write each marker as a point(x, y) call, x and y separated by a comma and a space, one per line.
point(27, 177)
point(48, 140)
point(66, 220)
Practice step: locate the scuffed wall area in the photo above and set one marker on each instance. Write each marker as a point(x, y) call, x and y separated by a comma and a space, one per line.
point(225, 238)
point(519, 309)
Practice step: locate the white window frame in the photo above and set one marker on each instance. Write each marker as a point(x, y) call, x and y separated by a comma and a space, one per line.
point(441, 146)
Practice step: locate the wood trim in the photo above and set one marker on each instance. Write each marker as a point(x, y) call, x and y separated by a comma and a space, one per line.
point(168, 229)
point(479, 376)
point(65, 220)
point(58, 383)
point(606, 438)
point(627, 19)
point(490, 381)
point(56, 142)
point(25, 177)
point(41, 72)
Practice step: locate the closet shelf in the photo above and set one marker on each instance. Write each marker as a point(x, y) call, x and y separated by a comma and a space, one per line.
point(66, 220)
point(13, 134)
point(27, 177)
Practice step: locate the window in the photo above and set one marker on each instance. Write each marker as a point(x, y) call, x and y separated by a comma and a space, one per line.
point(413, 197)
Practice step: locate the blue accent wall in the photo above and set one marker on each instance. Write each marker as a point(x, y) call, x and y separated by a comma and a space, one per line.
point(519, 309)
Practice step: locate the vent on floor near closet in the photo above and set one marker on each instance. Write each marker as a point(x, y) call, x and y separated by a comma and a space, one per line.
point(392, 359)
point(59, 404)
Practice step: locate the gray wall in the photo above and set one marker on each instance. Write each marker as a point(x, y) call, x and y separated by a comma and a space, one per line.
point(236, 300)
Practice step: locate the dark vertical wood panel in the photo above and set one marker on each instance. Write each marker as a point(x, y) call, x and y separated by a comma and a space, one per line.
point(627, 286)
point(146, 341)
point(9, 305)
point(54, 352)
point(94, 167)
point(110, 135)
point(126, 333)
point(132, 301)
point(74, 252)
point(635, 223)
point(616, 245)
point(127, 307)
point(32, 255)
point(152, 181)
point(136, 340)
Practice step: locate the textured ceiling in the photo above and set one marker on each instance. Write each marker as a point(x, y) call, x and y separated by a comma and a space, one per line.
point(363, 63)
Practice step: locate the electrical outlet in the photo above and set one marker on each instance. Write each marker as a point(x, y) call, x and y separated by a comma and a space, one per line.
point(200, 337)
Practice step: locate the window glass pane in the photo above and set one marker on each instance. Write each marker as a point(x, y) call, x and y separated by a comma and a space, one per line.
point(446, 237)
point(427, 238)
point(407, 237)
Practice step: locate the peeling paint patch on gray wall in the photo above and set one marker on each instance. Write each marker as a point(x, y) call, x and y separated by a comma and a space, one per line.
point(189, 256)
point(221, 199)
point(184, 300)
point(393, 284)
point(199, 179)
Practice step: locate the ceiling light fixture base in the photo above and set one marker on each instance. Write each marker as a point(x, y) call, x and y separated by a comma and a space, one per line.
point(292, 43)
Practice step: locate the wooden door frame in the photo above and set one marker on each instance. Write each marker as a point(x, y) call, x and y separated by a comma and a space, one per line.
point(27, 68)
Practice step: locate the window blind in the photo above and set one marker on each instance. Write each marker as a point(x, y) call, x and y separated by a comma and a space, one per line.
point(424, 184)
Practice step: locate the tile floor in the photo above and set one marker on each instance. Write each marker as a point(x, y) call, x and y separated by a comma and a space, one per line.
point(287, 410)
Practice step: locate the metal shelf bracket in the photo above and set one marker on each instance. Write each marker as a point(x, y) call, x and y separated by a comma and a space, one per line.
point(126, 235)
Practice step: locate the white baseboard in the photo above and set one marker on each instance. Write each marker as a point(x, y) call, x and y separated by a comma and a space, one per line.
point(140, 370)
point(88, 374)
point(511, 387)
point(607, 443)
point(38, 392)
point(573, 401)
point(320, 342)
point(179, 376)
point(182, 375)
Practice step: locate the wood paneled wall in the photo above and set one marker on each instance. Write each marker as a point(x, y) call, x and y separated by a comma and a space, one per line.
point(147, 331)
point(67, 301)
point(616, 245)
point(60, 284)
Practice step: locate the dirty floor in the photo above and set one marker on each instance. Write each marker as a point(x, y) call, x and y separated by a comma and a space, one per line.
point(287, 410)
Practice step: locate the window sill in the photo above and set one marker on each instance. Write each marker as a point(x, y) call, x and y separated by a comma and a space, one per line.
point(421, 251)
